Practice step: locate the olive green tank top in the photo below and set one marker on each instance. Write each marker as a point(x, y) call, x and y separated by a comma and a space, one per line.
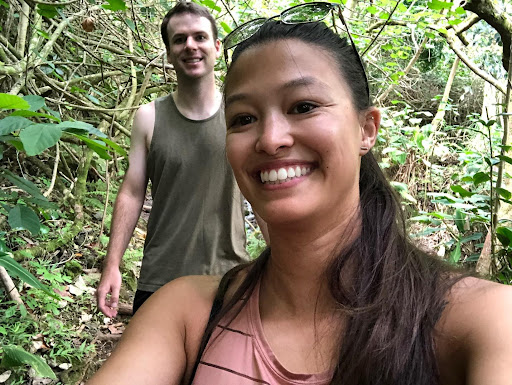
point(196, 225)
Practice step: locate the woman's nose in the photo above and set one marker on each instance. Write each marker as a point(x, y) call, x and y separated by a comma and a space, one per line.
point(275, 134)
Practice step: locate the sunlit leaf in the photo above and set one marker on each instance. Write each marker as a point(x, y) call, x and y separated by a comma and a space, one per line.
point(225, 27)
point(211, 4)
point(437, 5)
point(115, 5)
point(11, 102)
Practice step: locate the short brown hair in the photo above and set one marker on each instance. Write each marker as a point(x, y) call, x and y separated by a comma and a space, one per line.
point(182, 8)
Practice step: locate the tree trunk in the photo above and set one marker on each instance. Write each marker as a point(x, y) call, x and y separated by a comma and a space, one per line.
point(444, 101)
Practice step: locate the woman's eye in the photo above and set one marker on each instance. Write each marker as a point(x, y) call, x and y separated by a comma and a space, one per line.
point(242, 120)
point(303, 108)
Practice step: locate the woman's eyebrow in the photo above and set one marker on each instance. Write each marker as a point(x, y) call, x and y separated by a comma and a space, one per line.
point(303, 81)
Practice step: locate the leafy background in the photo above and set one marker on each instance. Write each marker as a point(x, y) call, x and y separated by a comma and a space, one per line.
point(73, 73)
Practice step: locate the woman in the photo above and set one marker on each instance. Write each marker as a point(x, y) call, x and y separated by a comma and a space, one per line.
point(343, 297)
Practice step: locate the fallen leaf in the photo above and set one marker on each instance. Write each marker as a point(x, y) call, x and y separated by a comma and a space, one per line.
point(5, 376)
point(85, 317)
point(114, 330)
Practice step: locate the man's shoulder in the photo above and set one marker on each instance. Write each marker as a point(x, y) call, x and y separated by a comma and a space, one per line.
point(146, 109)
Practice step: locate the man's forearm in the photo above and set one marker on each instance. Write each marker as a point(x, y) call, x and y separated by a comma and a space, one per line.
point(124, 219)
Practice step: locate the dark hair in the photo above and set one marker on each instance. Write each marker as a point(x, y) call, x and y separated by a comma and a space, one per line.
point(395, 299)
point(182, 8)
point(318, 35)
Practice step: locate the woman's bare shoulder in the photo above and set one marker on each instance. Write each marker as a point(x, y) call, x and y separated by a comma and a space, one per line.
point(477, 324)
point(472, 301)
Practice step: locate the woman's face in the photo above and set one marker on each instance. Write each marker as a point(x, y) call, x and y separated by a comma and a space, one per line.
point(294, 137)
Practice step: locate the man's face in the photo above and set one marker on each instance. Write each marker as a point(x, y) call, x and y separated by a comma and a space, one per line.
point(192, 48)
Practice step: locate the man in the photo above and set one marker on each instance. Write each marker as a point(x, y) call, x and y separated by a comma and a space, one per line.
point(196, 223)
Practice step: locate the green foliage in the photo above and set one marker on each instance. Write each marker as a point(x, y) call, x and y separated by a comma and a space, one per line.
point(255, 244)
point(14, 356)
point(16, 270)
point(115, 5)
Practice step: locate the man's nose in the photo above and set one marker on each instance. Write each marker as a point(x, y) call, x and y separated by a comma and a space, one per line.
point(191, 43)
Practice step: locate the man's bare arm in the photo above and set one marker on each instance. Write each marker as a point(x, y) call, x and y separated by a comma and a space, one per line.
point(127, 210)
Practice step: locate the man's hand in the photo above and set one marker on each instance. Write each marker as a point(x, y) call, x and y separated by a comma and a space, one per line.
point(110, 284)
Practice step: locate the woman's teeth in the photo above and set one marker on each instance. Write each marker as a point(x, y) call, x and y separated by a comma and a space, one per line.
point(283, 174)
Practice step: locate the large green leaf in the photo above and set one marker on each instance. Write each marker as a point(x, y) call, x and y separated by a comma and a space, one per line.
point(480, 177)
point(48, 10)
point(13, 123)
point(18, 271)
point(24, 184)
point(461, 190)
point(36, 102)
point(12, 102)
point(24, 218)
point(455, 254)
point(28, 113)
point(13, 141)
point(460, 220)
point(15, 356)
point(504, 234)
point(80, 128)
point(211, 4)
point(117, 148)
point(95, 145)
point(39, 137)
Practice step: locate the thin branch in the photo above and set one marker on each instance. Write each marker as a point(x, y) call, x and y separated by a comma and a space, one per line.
point(94, 109)
point(54, 173)
point(455, 45)
point(10, 288)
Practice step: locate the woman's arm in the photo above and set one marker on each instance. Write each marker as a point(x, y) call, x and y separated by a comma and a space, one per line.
point(161, 342)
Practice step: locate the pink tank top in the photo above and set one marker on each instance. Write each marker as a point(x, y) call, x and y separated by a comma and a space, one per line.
point(240, 355)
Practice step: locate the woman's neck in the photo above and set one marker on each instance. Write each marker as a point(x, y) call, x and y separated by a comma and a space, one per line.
point(295, 277)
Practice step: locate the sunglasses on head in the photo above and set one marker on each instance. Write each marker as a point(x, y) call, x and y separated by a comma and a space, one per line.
point(299, 14)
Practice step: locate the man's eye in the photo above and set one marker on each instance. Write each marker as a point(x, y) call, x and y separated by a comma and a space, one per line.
point(242, 120)
point(178, 40)
point(201, 38)
point(303, 108)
